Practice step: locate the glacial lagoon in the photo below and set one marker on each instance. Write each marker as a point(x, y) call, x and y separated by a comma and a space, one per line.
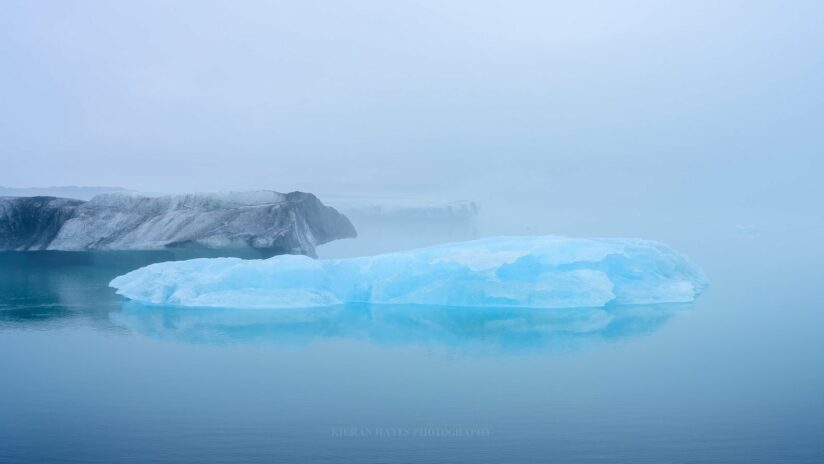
point(733, 377)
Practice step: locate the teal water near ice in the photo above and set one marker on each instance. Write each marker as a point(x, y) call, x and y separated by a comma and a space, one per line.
point(734, 377)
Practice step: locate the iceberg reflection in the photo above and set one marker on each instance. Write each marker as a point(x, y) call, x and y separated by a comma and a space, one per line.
point(473, 329)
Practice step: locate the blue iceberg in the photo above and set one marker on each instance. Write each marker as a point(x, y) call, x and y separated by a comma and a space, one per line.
point(527, 272)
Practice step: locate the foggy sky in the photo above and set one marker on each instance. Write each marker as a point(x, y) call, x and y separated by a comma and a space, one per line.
point(687, 102)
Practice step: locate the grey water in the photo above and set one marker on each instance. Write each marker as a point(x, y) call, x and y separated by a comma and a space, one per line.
point(736, 376)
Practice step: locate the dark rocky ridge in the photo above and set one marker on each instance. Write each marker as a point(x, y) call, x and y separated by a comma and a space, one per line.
point(271, 222)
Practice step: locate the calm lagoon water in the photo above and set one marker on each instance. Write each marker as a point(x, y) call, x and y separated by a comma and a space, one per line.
point(738, 376)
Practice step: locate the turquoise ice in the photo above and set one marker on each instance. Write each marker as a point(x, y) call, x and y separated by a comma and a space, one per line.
point(529, 272)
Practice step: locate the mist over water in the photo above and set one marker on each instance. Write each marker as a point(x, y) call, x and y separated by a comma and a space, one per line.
point(695, 123)
point(627, 119)
point(537, 108)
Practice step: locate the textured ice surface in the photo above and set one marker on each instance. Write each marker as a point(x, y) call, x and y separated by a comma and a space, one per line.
point(545, 272)
point(263, 220)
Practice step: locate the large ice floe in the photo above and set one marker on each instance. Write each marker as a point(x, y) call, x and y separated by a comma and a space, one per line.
point(536, 272)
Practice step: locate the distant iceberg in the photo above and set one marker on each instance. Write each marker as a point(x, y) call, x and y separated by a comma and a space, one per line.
point(529, 272)
point(390, 223)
